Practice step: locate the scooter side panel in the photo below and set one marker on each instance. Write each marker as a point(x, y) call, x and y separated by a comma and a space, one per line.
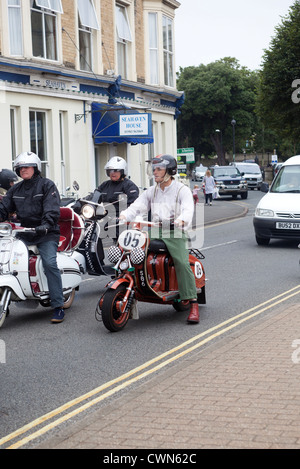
point(80, 260)
point(71, 276)
point(198, 271)
point(70, 273)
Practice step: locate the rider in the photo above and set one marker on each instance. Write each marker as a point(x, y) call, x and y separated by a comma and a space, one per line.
point(117, 184)
point(36, 202)
point(171, 201)
point(7, 179)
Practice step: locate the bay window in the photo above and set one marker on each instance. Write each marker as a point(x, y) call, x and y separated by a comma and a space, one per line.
point(153, 48)
point(87, 21)
point(15, 27)
point(124, 39)
point(44, 28)
point(168, 49)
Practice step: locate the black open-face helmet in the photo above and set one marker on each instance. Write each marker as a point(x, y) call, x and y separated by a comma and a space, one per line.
point(165, 161)
point(6, 177)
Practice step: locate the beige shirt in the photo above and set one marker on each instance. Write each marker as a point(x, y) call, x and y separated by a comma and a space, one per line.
point(174, 203)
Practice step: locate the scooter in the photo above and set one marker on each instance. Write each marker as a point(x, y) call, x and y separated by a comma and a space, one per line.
point(22, 277)
point(90, 252)
point(144, 272)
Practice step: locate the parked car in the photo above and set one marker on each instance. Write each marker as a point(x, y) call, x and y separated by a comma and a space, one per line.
point(277, 168)
point(252, 174)
point(230, 181)
point(198, 173)
point(277, 214)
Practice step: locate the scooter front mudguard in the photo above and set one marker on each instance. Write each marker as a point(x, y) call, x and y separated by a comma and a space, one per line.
point(113, 284)
point(11, 282)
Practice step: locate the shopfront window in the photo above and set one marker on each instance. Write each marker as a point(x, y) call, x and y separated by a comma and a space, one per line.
point(38, 137)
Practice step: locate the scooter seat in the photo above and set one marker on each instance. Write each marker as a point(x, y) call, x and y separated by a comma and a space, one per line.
point(157, 246)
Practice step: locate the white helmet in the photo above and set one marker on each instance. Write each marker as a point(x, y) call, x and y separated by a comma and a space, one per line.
point(27, 159)
point(117, 163)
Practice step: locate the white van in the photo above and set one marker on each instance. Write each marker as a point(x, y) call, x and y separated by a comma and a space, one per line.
point(277, 215)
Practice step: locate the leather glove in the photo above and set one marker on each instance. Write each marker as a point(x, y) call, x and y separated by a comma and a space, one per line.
point(41, 230)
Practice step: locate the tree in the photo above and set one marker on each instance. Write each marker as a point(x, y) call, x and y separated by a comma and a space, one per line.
point(278, 100)
point(214, 95)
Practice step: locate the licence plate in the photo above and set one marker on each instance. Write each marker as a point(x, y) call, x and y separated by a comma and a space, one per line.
point(287, 226)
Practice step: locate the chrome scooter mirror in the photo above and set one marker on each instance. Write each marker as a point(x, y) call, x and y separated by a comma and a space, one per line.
point(5, 229)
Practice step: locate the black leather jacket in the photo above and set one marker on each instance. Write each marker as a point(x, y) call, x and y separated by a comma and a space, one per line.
point(36, 203)
point(110, 191)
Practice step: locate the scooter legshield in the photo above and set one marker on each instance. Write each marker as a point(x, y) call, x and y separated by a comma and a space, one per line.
point(9, 281)
point(14, 259)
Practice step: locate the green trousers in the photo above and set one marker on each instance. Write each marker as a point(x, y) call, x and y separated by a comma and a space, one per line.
point(176, 243)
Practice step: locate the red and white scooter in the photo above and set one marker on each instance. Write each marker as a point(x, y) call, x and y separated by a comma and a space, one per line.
point(22, 277)
point(145, 272)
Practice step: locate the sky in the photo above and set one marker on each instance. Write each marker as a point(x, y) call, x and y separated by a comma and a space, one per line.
point(209, 30)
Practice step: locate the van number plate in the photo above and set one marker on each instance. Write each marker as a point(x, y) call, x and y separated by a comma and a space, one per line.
point(287, 226)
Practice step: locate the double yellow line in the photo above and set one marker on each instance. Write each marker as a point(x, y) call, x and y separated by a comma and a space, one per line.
point(64, 413)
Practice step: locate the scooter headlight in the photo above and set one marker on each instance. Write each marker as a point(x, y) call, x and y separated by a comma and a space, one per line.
point(124, 265)
point(137, 255)
point(114, 254)
point(88, 211)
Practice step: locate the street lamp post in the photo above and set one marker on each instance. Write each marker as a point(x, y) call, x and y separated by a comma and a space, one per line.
point(233, 123)
point(221, 142)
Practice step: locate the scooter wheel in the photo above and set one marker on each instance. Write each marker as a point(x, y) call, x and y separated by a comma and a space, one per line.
point(112, 319)
point(69, 299)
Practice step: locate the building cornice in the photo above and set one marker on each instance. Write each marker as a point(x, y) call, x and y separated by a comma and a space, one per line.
point(89, 82)
point(172, 3)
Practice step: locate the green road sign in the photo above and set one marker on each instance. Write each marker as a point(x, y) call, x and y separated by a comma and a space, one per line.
point(185, 155)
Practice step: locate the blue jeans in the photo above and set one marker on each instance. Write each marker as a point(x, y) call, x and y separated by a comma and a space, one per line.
point(48, 252)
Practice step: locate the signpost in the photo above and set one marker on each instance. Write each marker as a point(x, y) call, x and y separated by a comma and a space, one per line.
point(184, 157)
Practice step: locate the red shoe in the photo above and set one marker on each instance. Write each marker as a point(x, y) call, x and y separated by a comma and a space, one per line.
point(194, 313)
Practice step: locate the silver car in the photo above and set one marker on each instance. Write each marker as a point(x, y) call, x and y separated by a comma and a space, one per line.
point(199, 173)
point(252, 174)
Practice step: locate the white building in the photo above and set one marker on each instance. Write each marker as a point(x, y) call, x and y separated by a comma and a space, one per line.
point(70, 68)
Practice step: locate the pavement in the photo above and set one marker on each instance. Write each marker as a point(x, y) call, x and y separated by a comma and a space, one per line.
point(240, 392)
